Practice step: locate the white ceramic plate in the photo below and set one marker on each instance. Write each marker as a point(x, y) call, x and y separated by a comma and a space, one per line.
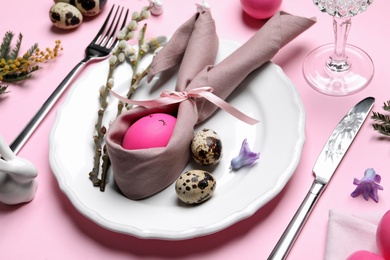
point(267, 94)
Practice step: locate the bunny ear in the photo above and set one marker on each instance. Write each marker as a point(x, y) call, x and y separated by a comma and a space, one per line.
point(5, 151)
point(194, 45)
point(259, 49)
point(173, 51)
point(291, 26)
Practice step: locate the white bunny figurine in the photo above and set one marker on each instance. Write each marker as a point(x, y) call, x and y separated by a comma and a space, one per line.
point(17, 177)
point(157, 7)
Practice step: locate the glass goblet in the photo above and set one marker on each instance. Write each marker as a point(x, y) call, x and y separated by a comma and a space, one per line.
point(339, 68)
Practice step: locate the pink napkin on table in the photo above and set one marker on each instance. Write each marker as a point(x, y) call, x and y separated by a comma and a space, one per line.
point(349, 232)
point(142, 173)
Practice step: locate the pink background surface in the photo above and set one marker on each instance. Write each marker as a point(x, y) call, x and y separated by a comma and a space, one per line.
point(49, 227)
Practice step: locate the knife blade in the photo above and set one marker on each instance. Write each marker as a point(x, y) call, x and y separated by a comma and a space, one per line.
point(327, 162)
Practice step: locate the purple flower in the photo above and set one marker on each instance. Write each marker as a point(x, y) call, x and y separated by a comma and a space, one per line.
point(368, 186)
point(246, 157)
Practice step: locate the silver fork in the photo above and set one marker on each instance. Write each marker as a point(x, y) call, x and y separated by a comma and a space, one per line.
point(100, 48)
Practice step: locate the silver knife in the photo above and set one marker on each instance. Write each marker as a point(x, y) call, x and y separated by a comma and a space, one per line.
point(327, 162)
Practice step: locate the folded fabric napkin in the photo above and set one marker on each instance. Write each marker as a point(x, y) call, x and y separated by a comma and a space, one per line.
point(350, 232)
point(145, 172)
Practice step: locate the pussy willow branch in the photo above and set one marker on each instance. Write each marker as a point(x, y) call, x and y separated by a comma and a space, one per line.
point(122, 53)
point(100, 130)
point(100, 151)
point(137, 77)
point(140, 55)
point(105, 166)
point(135, 82)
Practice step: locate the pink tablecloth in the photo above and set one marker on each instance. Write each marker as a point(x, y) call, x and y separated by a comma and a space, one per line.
point(49, 227)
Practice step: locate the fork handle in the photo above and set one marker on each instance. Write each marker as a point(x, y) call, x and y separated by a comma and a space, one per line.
point(28, 130)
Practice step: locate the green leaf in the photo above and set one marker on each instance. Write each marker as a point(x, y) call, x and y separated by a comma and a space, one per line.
point(3, 89)
point(6, 45)
point(380, 117)
point(16, 77)
point(382, 129)
point(386, 106)
point(15, 51)
point(32, 49)
point(383, 121)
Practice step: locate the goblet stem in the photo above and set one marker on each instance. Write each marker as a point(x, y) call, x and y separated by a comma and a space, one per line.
point(338, 61)
point(339, 68)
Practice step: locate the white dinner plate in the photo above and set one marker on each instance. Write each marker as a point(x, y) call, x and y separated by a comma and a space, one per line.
point(266, 94)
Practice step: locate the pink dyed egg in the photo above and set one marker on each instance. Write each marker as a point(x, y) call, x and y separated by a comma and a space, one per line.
point(150, 131)
point(364, 255)
point(260, 9)
point(383, 235)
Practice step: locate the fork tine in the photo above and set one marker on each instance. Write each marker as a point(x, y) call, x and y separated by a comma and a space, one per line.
point(109, 28)
point(113, 34)
point(100, 32)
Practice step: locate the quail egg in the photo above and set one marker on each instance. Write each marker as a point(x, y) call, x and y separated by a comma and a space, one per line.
point(65, 16)
point(206, 147)
point(195, 186)
point(90, 7)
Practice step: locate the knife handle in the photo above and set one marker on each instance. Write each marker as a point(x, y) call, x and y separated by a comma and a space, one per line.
point(293, 229)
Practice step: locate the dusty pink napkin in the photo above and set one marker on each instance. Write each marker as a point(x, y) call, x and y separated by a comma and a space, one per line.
point(350, 232)
point(142, 173)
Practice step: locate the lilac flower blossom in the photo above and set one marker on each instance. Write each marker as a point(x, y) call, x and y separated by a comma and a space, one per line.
point(245, 158)
point(368, 185)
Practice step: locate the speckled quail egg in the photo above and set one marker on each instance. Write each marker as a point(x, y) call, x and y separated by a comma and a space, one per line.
point(90, 7)
point(195, 186)
point(206, 147)
point(65, 16)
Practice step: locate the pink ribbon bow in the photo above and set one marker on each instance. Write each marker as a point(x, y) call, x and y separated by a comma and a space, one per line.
point(170, 97)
